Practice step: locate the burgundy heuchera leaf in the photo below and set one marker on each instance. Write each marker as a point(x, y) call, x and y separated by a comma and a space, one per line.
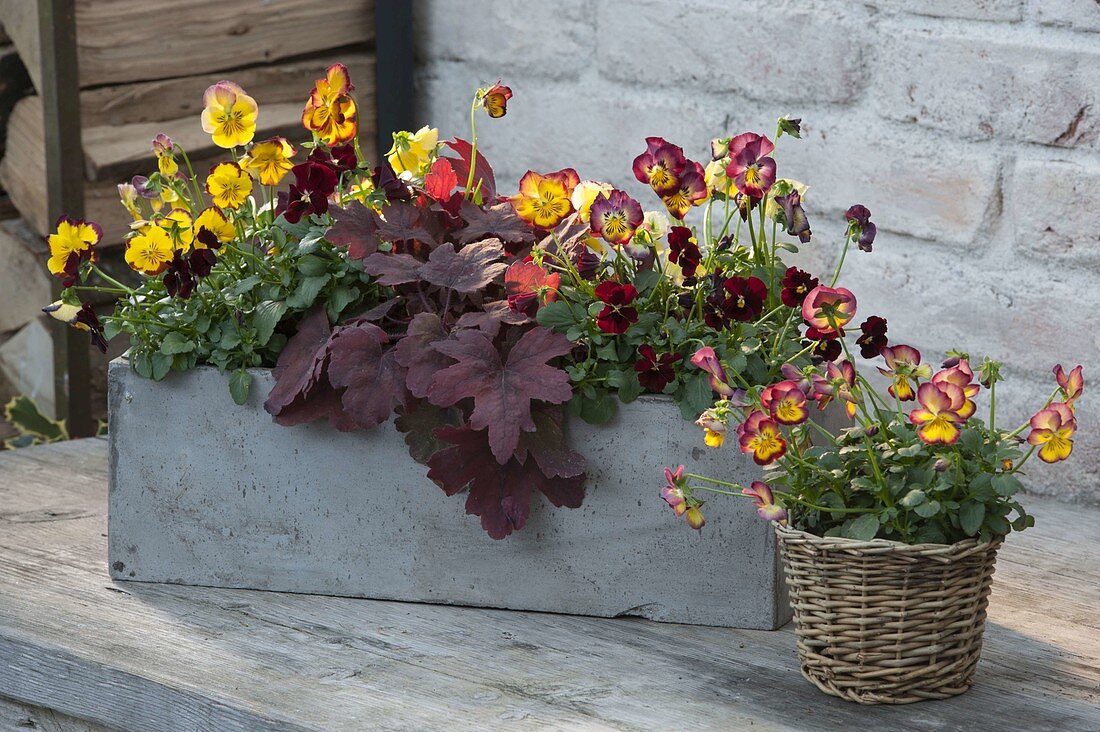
point(402, 222)
point(502, 392)
point(467, 270)
point(499, 220)
point(483, 172)
point(500, 494)
point(416, 354)
point(393, 269)
point(373, 381)
point(355, 227)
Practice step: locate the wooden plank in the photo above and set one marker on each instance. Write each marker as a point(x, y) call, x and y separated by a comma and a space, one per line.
point(234, 659)
point(16, 716)
point(14, 85)
point(24, 280)
point(139, 40)
point(178, 98)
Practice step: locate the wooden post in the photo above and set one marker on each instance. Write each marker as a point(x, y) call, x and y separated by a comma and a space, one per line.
point(60, 93)
point(394, 63)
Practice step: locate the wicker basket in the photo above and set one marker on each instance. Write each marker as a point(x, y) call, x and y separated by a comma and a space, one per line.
point(879, 622)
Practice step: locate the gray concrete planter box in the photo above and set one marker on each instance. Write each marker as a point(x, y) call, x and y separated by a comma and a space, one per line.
point(203, 492)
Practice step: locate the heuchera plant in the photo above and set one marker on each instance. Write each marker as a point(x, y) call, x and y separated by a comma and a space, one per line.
point(415, 290)
point(931, 472)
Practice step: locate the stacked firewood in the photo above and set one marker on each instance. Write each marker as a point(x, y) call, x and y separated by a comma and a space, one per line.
point(143, 67)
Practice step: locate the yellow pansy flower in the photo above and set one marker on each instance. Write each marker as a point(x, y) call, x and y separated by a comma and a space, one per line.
point(177, 223)
point(228, 185)
point(166, 161)
point(212, 229)
point(229, 114)
point(717, 180)
point(151, 251)
point(73, 242)
point(412, 152)
point(129, 197)
point(269, 160)
point(331, 112)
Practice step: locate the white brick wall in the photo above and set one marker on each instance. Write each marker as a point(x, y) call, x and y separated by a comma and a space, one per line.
point(969, 127)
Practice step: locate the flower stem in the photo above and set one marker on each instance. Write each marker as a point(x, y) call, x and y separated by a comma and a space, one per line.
point(840, 264)
point(473, 147)
point(112, 280)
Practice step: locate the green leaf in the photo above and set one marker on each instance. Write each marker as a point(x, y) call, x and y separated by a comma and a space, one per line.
point(245, 285)
point(646, 279)
point(306, 292)
point(266, 316)
point(312, 266)
point(928, 509)
point(695, 396)
point(1006, 484)
point(864, 528)
point(556, 315)
point(911, 450)
point(142, 364)
point(971, 441)
point(175, 342)
point(161, 365)
point(599, 410)
point(971, 515)
point(23, 413)
point(339, 299)
point(630, 388)
point(111, 328)
point(239, 383)
point(311, 242)
point(913, 498)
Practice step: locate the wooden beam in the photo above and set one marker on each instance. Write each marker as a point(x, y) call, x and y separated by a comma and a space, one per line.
point(65, 191)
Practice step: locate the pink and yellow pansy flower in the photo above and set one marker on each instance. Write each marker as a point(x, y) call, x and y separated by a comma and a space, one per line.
point(764, 500)
point(904, 368)
point(1071, 384)
point(496, 99)
point(330, 112)
point(675, 495)
point(752, 171)
point(828, 309)
point(544, 200)
point(229, 115)
point(1052, 428)
point(706, 359)
point(165, 152)
point(962, 376)
point(760, 436)
point(786, 402)
point(690, 190)
point(660, 165)
point(714, 428)
point(937, 418)
point(614, 217)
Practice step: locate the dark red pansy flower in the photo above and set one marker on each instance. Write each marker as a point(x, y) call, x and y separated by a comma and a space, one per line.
point(860, 225)
point(178, 279)
point(88, 318)
point(313, 184)
point(683, 250)
point(873, 339)
point(617, 314)
point(587, 263)
point(796, 285)
point(201, 261)
point(655, 373)
point(794, 217)
point(744, 298)
point(340, 158)
point(385, 180)
point(826, 346)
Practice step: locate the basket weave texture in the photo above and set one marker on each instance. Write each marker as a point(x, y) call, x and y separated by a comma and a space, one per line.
point(880, 622)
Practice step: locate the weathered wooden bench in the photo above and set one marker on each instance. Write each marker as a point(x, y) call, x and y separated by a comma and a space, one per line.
point(80, 652)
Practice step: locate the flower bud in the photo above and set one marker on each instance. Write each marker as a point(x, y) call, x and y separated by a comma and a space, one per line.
point(871, 431)
point(942, 464)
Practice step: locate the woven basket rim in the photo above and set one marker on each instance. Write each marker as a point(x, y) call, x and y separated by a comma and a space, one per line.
point(841, 542)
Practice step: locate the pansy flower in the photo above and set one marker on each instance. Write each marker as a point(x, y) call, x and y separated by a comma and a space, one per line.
point(745, 298)
point(544, 200)
point(824, 347)
point(228, 185)
point(528, 286)
point(786, 402)
point(873, 336)
point(796, 285)
point(128, 196)
point(752, 171)
point(675, 495)
point(1053, 427)
point(706, 359)
point(759, 435)
point(690, 190)
point(839, 382)
point(81, 317)
point(211, 229)
point(313, 184)
point(1071, 384)
point(179, 281)
point(860, 226)
point(165, 152)
point(764, 500)
point(151, 251)
point(904, 368)
point(683, 250)
point(962, 376)
point(228, 115)
point(782, 186)
point(177, 223)
point(828, 309)
point(714, 175)
point(660, 165)
point(330, 111)
point(72, 243)
point(714, 427)
point(412, 152)
point(937, 418)
point(615, 217)
point(655, 372)
point(269, 161)
point(617, 314)
point(584, 195)
point(794, 216)
point(496, 99)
